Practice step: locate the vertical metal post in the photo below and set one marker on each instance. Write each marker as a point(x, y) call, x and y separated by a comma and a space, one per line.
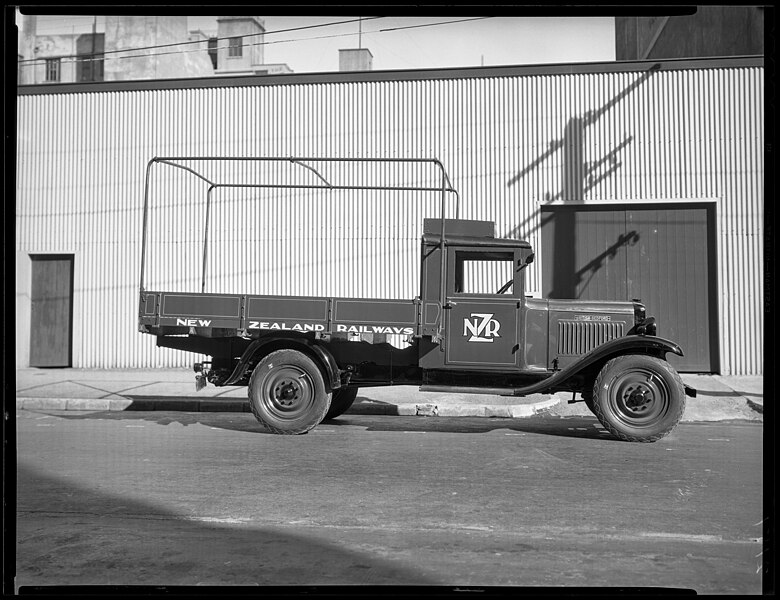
point(206, 238)
point(443, 291)
point(144, 227)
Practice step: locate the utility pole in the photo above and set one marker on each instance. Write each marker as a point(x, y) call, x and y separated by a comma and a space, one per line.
point(92, 61)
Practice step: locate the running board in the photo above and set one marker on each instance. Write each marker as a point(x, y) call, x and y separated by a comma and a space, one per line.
point(452, 389)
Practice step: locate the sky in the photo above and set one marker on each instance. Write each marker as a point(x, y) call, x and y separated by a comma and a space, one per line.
point(413, 42)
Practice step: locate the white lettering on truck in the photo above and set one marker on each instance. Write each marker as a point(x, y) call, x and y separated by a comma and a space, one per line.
point(374, 329)
point(193, 322)
point(286, 326)
point(482, 327)
point(340, 328)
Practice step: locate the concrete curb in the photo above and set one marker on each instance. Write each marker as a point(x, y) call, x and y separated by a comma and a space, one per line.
point(72, 403)
point(211, 405)
point(731, 409)
point(472, 410)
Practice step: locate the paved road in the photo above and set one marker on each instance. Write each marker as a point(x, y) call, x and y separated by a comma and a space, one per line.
point(164, 498)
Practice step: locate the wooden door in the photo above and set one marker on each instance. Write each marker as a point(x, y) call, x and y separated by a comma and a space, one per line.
point(51, 319)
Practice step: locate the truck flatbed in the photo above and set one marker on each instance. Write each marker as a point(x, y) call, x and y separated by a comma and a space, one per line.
point(208, 314)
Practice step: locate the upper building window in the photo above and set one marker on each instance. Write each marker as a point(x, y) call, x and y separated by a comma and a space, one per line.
point(89, 66)
point(52, 69)
point(235, 47)
point(213, 44)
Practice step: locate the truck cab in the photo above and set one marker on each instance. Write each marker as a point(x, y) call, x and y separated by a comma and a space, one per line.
point(483, 321)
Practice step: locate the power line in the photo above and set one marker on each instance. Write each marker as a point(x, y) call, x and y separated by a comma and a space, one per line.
point(84, 58)
point(432, 24)
point(216, 38)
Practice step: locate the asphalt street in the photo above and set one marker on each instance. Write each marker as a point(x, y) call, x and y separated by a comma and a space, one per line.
point(181, 498)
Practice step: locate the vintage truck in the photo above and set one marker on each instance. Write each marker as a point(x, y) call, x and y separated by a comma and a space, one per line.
point(305, 358)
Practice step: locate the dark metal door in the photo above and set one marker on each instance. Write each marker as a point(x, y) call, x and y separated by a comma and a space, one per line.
point(52, 311)
point(482, 332)
point(662, 254)
point(672, 269)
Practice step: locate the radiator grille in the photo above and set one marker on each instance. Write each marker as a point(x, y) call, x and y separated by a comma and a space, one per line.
point(577, 337)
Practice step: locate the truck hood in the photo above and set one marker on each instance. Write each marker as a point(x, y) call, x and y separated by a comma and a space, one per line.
point(592, 307)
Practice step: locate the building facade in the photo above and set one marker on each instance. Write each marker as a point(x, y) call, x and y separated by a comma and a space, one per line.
point(121, 48)
point(711, 31)
point(635, 179)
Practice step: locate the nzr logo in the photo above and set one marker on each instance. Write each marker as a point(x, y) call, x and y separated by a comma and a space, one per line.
point(482, 327)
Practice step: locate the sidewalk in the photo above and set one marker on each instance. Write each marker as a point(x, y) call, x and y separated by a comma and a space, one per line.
point(719, 398)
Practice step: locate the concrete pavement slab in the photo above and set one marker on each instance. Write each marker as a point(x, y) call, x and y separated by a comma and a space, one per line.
point(719, 397)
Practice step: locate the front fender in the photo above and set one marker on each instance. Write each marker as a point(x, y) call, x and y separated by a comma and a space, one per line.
point(646, 344)
point(630, 344)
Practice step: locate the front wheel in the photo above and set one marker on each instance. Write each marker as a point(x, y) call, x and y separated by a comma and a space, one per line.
point(638, 398)
point(287, 393)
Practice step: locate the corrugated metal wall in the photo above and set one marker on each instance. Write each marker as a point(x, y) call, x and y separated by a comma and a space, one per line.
point(509, 142)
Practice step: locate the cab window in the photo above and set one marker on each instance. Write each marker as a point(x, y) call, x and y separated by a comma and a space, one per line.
point(484, 272)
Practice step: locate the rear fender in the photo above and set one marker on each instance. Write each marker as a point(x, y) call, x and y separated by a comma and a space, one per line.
point(264, 346)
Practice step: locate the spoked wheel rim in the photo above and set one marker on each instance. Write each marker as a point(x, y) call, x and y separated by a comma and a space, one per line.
point(287, 392)
point(640, 398)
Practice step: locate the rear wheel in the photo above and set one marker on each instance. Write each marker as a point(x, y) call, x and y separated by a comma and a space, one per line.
point(341, 401)
point(638, 398)
point(287, 393)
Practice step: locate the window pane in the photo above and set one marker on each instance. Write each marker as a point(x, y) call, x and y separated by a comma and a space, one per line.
point(235, 47)
point(52, 69)
point(483, 275)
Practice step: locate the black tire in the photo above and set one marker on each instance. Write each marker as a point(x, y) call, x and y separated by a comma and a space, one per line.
point(341, 401)
point(638, 398)
point(587, 396)
point(287, 393)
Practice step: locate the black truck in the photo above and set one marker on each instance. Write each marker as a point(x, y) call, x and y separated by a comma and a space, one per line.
point(299, 360)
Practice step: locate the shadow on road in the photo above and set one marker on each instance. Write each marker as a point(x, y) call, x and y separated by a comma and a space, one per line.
point(572, 427)
point(72, 535)
point(729, 394)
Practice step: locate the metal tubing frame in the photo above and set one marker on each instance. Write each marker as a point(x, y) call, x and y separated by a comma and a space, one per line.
point(446, 187)
point(206, 238)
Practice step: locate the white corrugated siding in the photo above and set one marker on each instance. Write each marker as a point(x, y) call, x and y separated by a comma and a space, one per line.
point(509, 143)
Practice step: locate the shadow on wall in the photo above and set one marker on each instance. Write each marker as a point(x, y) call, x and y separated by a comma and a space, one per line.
point(578, 176)
point(566, 285)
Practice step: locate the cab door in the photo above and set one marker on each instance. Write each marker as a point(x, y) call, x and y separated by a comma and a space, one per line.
point(483, 308)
